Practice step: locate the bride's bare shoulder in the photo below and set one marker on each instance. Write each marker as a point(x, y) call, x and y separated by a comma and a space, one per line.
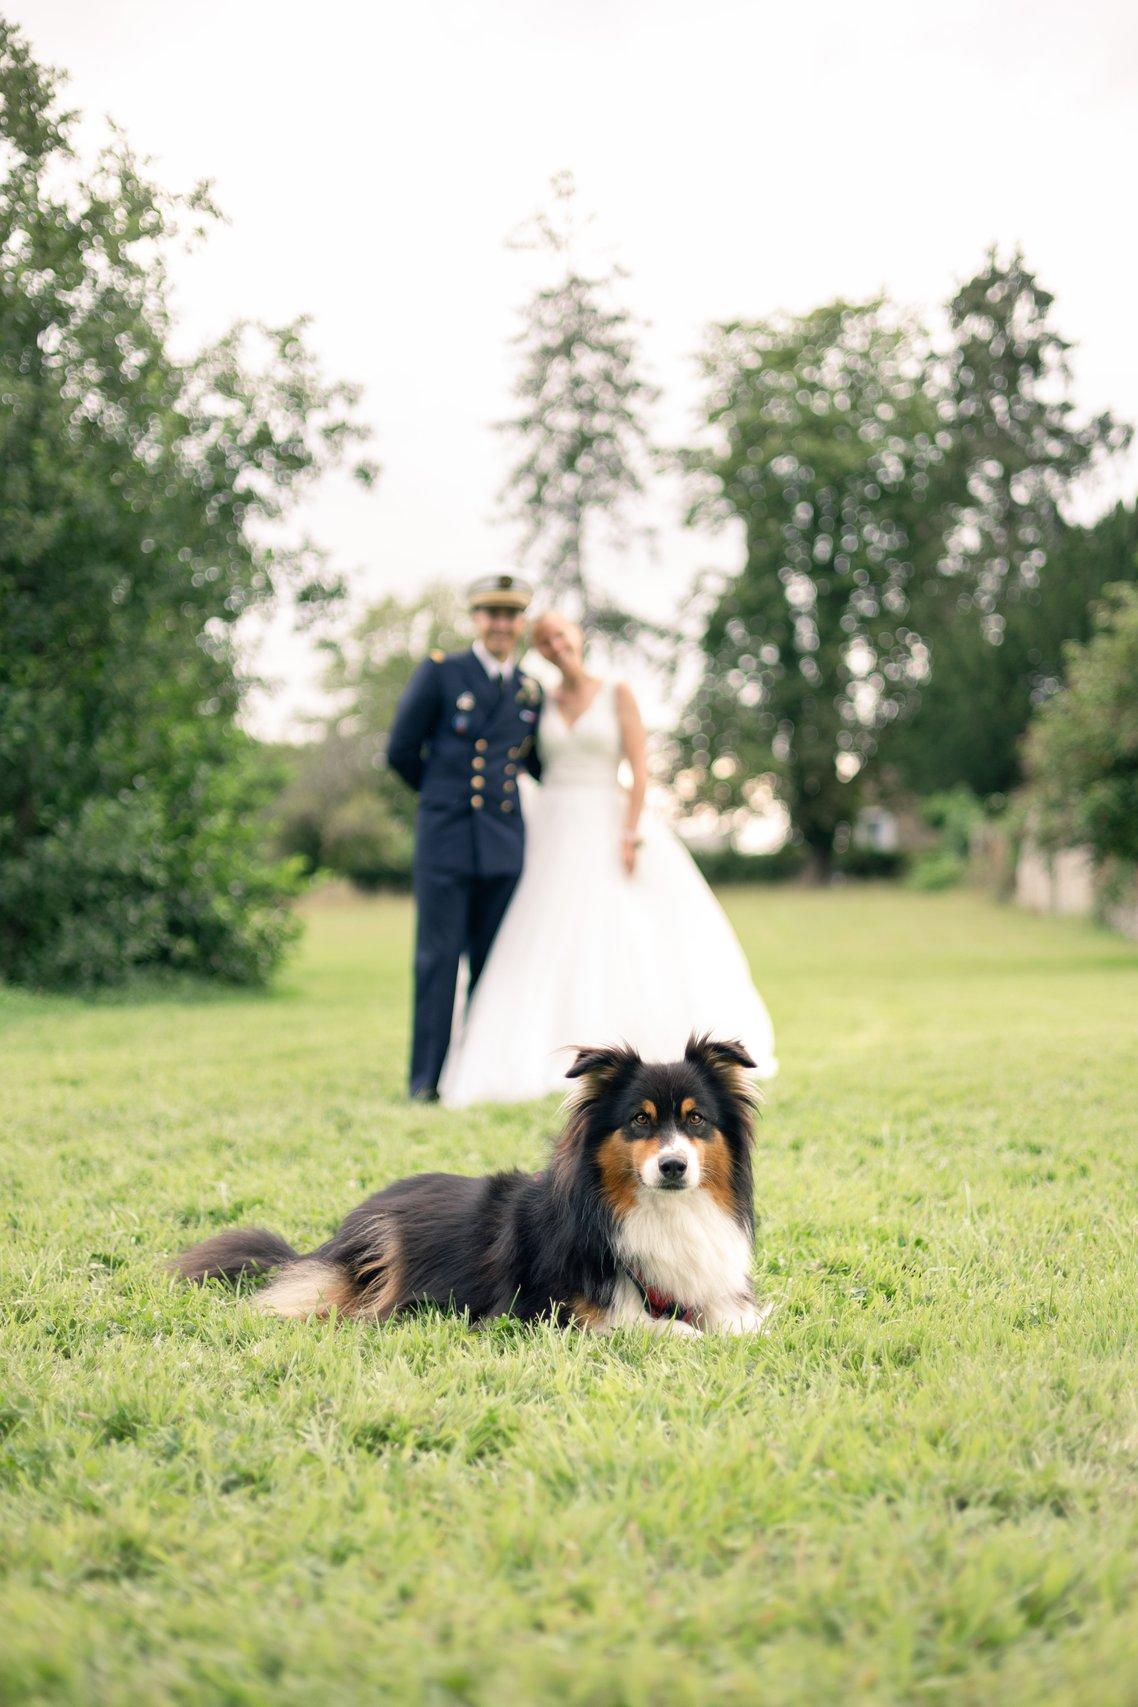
point(628, 718)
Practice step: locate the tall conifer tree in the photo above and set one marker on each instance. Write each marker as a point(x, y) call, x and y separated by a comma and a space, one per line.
point(581, 432)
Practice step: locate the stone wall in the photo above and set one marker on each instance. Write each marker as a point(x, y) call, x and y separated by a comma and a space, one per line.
point(1068, 884)
point(1061, 883)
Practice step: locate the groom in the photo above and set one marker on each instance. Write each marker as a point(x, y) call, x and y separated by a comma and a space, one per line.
point(465, 726)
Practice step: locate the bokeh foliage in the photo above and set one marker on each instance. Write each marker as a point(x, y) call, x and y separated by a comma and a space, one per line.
point(344, 811)
point(581, 429)
point(828, 450)
point(139, 497)
point(1082, 751)
point(898, 497)
point(971, 714)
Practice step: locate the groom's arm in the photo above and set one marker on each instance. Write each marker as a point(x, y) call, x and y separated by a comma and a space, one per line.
point(533, 757)
point(414, 723)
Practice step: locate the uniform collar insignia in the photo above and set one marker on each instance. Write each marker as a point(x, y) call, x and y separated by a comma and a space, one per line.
point(487, 673)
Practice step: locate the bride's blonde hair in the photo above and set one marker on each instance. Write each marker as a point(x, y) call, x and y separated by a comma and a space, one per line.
point(547, 616)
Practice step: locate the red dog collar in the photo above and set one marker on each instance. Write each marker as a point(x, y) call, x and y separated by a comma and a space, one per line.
point(657, 1303)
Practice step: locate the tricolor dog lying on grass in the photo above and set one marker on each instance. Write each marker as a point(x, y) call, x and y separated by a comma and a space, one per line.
point(644, 1216)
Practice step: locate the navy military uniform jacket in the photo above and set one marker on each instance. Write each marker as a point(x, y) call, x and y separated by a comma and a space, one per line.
point(461, 741)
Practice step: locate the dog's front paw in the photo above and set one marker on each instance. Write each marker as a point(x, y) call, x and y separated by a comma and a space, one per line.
point(669, 1325)
point(748, 1319)
point(684, 1329)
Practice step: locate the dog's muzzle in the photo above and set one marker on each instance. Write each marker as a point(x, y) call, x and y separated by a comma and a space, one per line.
point(674, 1167)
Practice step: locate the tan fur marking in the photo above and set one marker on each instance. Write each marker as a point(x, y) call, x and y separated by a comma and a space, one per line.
point(618, 1161)
point(650, 1109)
point(586, 1315)
point(716, 1170)
point(380, 1280)
point(686, 1107)
point(741, 1086)
point(306, 1289)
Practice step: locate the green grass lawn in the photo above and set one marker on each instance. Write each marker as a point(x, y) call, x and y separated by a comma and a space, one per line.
point(921, 1486)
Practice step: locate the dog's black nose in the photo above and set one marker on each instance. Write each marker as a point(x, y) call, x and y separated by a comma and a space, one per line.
point(673, 1168)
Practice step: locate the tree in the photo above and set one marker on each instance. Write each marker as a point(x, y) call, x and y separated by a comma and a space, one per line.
point(344, 811)
point(581, 432)
point(1082, 748)
point(1014, 580)
point(139, 493)
point(826, 448)
point(1015, 445)
point(985, 686)
point(902, 512)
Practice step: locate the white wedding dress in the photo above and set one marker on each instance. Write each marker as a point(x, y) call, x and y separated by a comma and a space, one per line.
point(587, 954)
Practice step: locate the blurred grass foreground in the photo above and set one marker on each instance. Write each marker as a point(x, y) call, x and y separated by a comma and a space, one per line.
point(919, 1487)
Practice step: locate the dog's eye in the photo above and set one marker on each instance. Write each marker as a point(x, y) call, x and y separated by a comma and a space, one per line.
point(641, 1120)
point(695, 1118)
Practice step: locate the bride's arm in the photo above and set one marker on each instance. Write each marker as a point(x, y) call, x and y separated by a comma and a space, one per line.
point(634, 745)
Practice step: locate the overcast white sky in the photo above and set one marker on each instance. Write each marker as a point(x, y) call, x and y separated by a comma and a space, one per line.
point(742, 157)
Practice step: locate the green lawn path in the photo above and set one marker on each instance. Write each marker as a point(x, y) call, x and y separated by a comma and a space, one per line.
point(921, 1486)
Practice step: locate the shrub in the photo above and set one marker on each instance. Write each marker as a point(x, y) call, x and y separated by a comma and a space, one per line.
point(955, 813)
point(1082, 749)
point(137, 483)
point(789, 863)
point(938, 868)
point(728, 865)
point(363, 841)
point(85, 903)
point(121, 887)
point(870, 862)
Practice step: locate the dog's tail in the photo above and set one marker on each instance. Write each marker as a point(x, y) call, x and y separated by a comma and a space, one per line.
point(236, 1252)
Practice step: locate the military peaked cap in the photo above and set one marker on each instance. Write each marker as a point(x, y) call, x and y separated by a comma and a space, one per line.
point(507, 592)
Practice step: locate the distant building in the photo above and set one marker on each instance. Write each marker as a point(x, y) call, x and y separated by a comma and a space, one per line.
point(878, 828)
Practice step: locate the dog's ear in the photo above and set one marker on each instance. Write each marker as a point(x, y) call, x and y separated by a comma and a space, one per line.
point(730, 1066)
point(601, 1067)
point(716, 1053)
point(598, 1071)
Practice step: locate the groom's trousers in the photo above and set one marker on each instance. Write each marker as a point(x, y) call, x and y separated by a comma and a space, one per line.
point(457, 915)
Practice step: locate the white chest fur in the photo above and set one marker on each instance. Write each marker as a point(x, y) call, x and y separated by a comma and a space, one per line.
point(686, 1246)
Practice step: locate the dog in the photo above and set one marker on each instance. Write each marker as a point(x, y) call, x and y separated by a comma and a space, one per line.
point(643, 1217)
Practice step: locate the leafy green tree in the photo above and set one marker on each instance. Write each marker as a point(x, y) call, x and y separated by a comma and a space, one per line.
point(826, 449)
point(344, 811)
point(1082, 748)
point(1015, 443)
point(138, 495)
point(984, 687)
point(904, 547)
point(1014, 581)
point(581, 432)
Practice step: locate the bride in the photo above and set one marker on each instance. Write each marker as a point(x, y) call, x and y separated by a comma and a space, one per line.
point(612, 934)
